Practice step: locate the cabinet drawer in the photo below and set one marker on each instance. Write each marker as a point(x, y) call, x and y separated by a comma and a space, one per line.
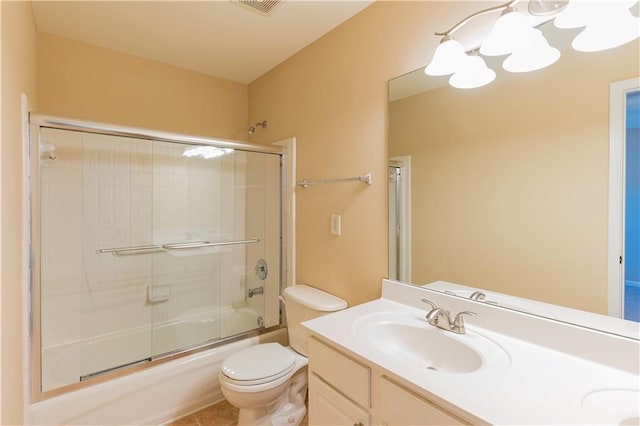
point(327, 406)
point(341, 372)
point(402, 407)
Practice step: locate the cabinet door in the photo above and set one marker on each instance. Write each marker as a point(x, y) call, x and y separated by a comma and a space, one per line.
point(341, 372)
point(327, 406)
point(402, 407)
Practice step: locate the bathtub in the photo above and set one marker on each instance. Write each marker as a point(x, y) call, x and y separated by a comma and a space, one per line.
point(154, 395)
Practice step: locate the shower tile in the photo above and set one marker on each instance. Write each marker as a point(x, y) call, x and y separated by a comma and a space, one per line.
point(49, 175)
point(105, 193)
point(59, 192)
point(105, 213)
point(105, 178)
point(76, 158)
point(62, 162)
point(123, 177)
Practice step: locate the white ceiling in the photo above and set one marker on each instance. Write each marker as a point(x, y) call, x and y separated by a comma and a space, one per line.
point(219, 38)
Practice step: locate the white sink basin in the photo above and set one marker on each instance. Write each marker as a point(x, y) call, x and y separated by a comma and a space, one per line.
point(408, 338)
point(613, 406)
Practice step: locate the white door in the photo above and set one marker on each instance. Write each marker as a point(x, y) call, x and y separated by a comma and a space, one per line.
point(624, 200)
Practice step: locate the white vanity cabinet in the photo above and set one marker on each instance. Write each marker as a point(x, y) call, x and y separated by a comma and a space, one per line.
point(339, 388)
point(380, 363)
point(331, 407)
point(398, 406)
point(343, 391)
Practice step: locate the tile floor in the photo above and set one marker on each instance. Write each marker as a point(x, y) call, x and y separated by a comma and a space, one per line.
point(220, 414)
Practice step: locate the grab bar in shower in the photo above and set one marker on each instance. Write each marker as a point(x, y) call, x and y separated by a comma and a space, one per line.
point(116, 251)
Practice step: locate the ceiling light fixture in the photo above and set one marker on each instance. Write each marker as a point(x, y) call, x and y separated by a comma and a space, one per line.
point(509, 32)
point(206, 152)
point(448, 58)
point(473, 73)
point(608, 24)
point(534, 53)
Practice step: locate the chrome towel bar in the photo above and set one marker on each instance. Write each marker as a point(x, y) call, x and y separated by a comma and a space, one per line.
point(364, 178)
point(119, 251)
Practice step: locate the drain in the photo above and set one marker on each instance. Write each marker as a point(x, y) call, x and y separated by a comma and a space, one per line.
point(431, 367)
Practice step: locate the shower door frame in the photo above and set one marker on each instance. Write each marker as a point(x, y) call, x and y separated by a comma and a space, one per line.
point(32, 194)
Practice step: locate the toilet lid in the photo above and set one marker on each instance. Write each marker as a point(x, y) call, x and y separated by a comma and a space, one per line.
point(260, 363)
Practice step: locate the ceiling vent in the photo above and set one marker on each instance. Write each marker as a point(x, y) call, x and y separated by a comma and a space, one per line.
point(264, 7)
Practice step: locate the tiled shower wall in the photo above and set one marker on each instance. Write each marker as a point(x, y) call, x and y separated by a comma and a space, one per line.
point(108, 191)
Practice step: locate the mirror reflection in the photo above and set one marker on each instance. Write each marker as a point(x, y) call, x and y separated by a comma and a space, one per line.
point(504, 188)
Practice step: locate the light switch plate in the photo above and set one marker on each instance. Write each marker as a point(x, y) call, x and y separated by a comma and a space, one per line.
point(336, 224)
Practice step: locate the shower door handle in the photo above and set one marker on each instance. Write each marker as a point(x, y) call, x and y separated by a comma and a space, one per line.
point(117, 251)
point(131, 250)
point(200, 244)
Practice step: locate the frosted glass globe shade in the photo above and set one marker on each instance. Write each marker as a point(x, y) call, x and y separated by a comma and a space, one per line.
point(474, 73)
point(534, 54)
point(447, 59)
point(580, 13)
point(619, 28)
point(507, 34)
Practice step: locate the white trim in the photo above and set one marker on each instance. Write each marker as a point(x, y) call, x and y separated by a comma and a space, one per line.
point(617, 135)
point(25, 106)
point(289, 214)
point(404, 272)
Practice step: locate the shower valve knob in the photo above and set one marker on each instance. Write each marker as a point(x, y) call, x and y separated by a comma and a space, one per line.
point(261, 269)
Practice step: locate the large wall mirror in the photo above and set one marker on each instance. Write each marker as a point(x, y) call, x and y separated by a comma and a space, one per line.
point(507, 185)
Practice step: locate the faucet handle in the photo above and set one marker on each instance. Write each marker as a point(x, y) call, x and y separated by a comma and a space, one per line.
point(477, 295)
point(458, 322)
point(433, 305)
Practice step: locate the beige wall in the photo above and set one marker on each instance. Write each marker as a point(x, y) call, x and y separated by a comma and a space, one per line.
point(509, 181)
point(83, 81)
point(73, 79)
point(18, 76)
point(332, 96)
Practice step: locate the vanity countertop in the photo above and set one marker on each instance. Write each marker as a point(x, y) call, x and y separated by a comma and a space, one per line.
point(536, 385)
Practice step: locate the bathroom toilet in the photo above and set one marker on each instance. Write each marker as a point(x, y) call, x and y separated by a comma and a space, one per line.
point(268, 382)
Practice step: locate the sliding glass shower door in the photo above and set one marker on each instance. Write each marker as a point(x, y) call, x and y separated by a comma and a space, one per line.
point(150, 247)
point(214, 212)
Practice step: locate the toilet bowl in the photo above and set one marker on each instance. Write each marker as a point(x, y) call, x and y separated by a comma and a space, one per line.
point(268, 382)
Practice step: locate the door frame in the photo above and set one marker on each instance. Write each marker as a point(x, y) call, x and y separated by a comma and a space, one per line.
point(403, 216)
point(617, 156)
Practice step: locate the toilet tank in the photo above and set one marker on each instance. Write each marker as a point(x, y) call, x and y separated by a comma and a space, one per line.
point(302, 303)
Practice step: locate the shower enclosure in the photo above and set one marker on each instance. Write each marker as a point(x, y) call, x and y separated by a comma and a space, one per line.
point(146, 245)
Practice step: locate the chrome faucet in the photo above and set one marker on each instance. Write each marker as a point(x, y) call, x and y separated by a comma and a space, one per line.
point(438, 317)
point(254, 291)
point(458, 322)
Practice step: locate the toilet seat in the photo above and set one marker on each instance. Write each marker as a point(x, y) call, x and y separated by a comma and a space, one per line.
point(258, 364)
